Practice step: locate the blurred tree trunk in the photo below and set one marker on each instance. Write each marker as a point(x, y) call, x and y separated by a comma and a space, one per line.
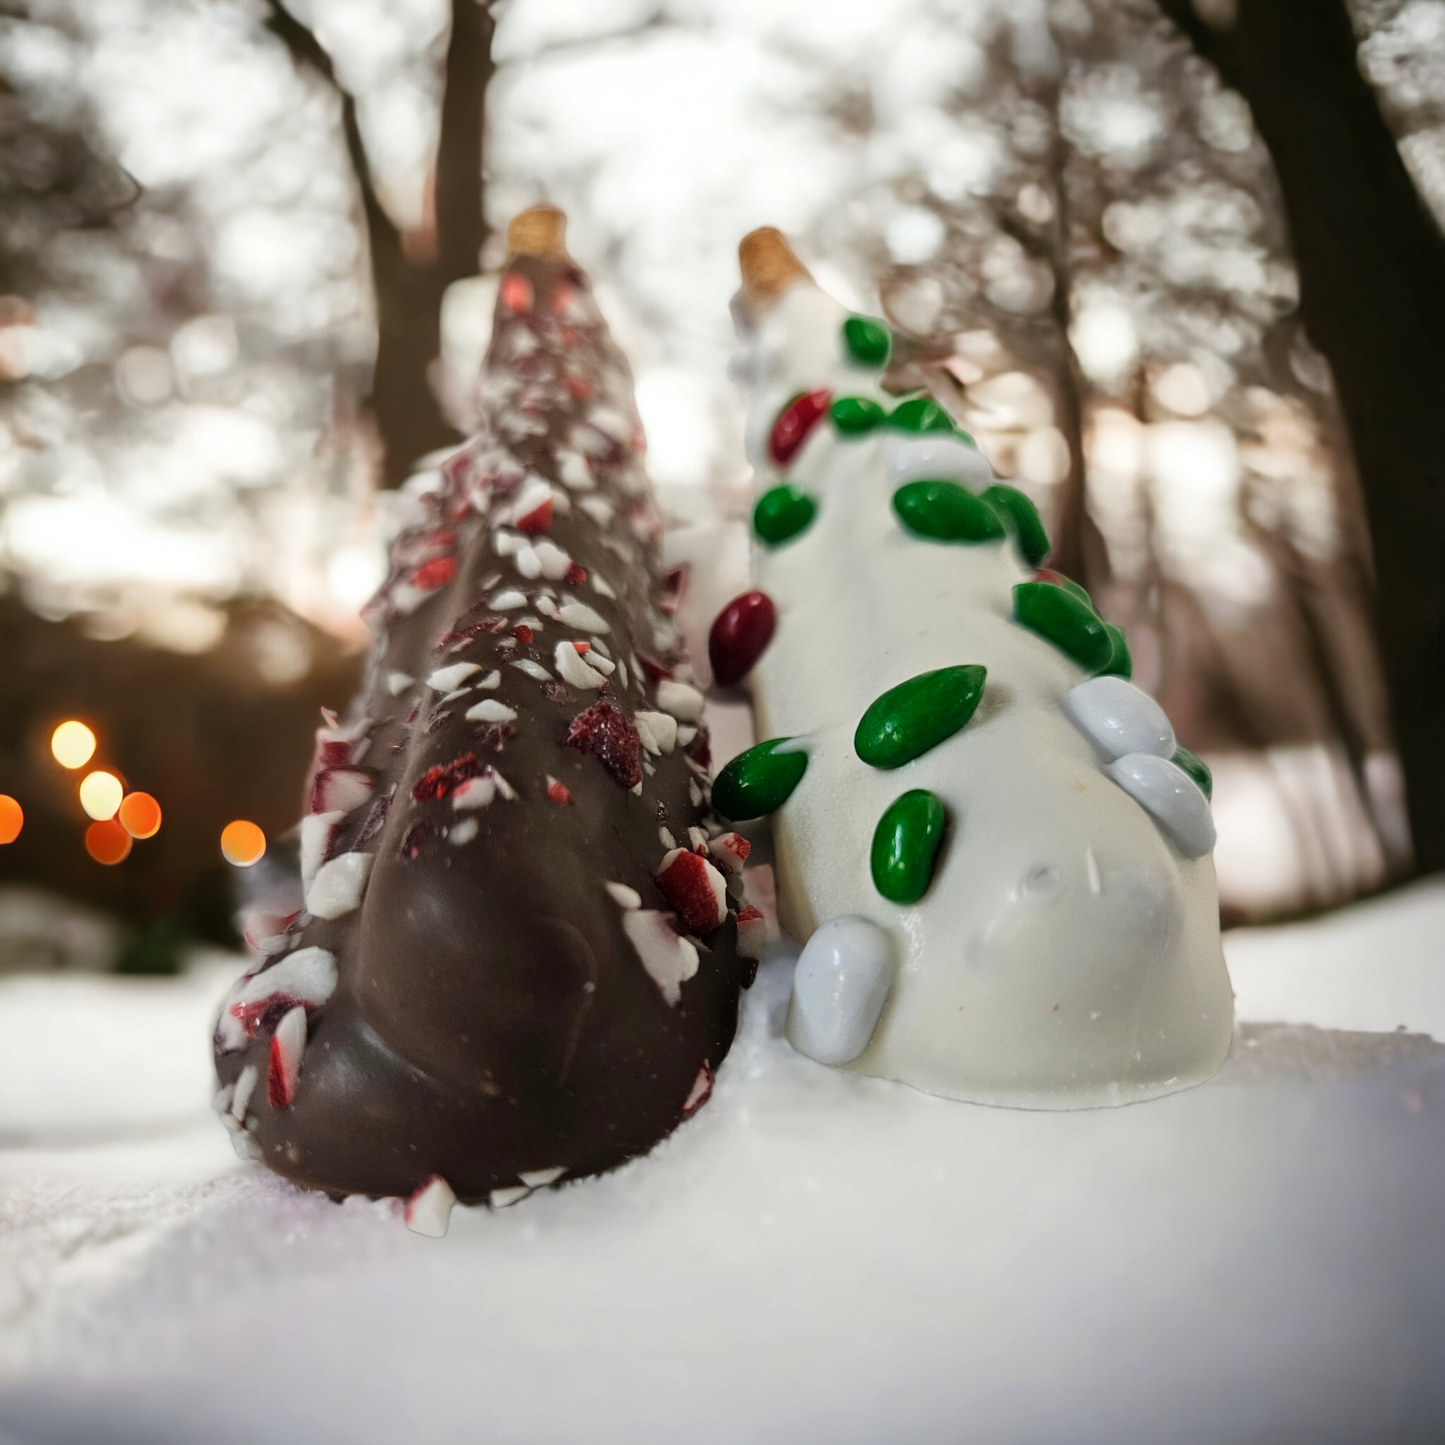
point(411, 271)
point(1372, 294)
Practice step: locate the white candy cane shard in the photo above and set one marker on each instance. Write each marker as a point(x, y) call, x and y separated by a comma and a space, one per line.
point(582, 617)
point(936, 458)
point(603, 587)
point(599, 509)
point(553, 560)
point(572, 668)
point(462, 832)
point(752, 933)
point(508, 600)
point(532, 669)
point(669, 959)
point(429, 1210)
point(491, 710)
point(491, 680)
point(1120, 718)
point(245, 1087)
point(317, 831)
point(657, 730)
point(1171, 795)
point(398, 682)
point(840, 985)
point(541, 1178)
point(573, 471)
point(340, 790)
point(511, 1194)
point(623, 896)
point(246, 1146)
point(680, 699)
point(307, 976)
point(730, 851)
point(448, 679)
point(288, 1044)
point(700, 1092)
point(339, 885)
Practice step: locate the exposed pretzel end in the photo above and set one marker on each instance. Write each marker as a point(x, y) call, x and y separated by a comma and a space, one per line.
point(769, 268)
point(538, 231)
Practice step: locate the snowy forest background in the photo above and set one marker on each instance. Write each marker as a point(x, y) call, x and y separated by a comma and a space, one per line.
point(1178, 266)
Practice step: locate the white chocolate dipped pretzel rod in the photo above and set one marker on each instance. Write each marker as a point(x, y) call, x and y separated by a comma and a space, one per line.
point(995, 853)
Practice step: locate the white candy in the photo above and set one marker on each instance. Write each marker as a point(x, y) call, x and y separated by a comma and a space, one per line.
point(839, 989)
point(490, 710)
point(288, 1044)
point(669, 959)
point(572, 668)
point(658, 731)
point(1120, 718)
point(317, 831)
point(582, 617)
point(541, 1178)
point(508, 600)
point(936, 458)
point(491, 680)
point(680, 699)
point(599, 509)
point(447, 679)
point(623, 896)
point(554, 561)
point(429, 1210)
point(532, 669)
point(308, 976)
point(339, 885)
point(398, 682)
point(1173, 797)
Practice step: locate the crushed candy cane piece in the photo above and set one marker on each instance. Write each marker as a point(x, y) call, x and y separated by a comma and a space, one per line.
point(288, 1044)
point(429, 1211)
point(695, 889)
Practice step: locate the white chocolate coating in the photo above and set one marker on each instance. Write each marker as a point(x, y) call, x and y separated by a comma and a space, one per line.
point(1067, 952)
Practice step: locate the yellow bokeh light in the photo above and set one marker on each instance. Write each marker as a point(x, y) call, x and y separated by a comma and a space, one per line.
point(73, 744)
point(242, 843)
point(100, 795)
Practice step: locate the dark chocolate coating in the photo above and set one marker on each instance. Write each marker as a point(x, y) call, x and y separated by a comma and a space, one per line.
point(491, 1016)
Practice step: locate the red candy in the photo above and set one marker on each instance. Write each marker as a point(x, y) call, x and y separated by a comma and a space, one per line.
point(558, 792)
point(739, 634)
point(695, 888)
point(440, 782)
point(603, 732)
point(794, 423)
point(436, 573)
point(537, 520)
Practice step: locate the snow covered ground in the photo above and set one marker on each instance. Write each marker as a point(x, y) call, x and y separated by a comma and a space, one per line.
point(815, 1257)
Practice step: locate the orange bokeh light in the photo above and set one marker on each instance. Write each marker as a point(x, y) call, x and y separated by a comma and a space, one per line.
point(101, 794)
point(140, 815)
point(12, 818)
point(242, 843)
point(107, 842)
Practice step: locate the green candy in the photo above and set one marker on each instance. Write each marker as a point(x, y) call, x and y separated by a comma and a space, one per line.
point(1069, 586)
point(1024, 516)
point(758, 781)
point(946, 512)
point(868, 341)
point(905, 846)
point(854, 415)
point(1066, 622)
point(783, 512)
point(906, 721)
point(1120, 663)
point(1197, 769)
point(921, 414)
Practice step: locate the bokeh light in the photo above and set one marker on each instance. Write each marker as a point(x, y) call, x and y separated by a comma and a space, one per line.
point(12, 818)
point(242, 843)
point(107, 842)
point(100, 795)
point(73, 744)
point(140, 815)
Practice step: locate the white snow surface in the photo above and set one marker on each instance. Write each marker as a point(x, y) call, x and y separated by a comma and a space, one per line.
point(817, 1256)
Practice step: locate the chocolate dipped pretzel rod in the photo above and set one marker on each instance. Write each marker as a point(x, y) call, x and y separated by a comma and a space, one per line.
point(988, 837)
point(500, 977)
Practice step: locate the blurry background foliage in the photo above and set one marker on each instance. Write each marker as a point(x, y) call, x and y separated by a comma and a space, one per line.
point(1177, 265)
